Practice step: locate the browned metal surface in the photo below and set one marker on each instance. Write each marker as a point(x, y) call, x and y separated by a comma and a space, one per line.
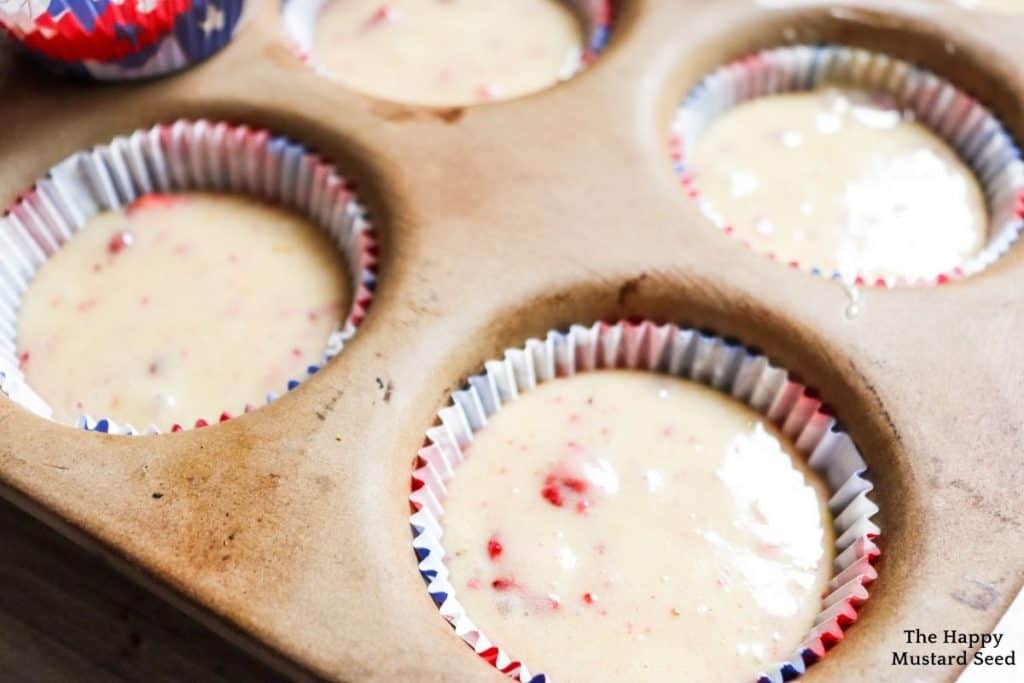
point(289, 526)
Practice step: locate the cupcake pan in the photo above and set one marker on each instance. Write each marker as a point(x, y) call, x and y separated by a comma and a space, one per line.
point(177, 157)
point(288, 528)
point(747, 377)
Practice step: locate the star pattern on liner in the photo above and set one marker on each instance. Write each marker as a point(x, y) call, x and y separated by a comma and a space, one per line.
point(214, 20)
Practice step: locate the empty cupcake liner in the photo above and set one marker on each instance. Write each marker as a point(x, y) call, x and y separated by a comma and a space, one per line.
point(666, 349)
point(131, 39)
point(300, 18)
point(177, 157)
point(965, 124)
point(85, 25)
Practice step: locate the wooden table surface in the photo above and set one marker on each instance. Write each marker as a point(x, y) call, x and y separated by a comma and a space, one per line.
point(66, 615)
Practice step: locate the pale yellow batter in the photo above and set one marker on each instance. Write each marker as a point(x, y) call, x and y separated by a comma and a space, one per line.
point(999, 6)
point(448, 52)
point(625, 526)
point(840, 180)
point(179, 308)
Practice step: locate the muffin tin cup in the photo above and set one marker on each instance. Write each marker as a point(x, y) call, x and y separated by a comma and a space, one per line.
point(666, 349)
point(128, 40)
point(596, 17)
point(177, 157)
point(961, 121)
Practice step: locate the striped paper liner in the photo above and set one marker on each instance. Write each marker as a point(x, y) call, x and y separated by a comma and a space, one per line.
point(177, 157)
point(125, 39)
point(60, 27)
point(667, 349)
point(965, 124)
point(300, 18)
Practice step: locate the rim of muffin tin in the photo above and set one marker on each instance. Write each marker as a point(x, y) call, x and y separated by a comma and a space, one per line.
point(181, 156)
point(597, 18)
point(972, 130)
point(668, 349)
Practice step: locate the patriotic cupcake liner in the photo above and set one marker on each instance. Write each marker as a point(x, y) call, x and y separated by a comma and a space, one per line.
point(300, 19)
point(666, 349)
point(120, 40)
point(177, 157)
point(967, 126)
point(74, 29)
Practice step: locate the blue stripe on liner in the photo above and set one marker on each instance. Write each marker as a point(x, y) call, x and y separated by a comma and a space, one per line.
point(206, 27)
point(789, 672)
point(812, 67)
point(139, 58)
point(86, 12)
point(127, 32)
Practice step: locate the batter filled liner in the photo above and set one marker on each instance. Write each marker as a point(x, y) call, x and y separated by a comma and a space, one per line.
point(448, 54)
point(153, 294)
point(179, 157)
point(666, 349)
point(921, 97)
point(412, 52)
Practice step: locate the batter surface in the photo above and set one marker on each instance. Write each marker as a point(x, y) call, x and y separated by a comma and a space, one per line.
point(448, 52)
point(179, 308)
point(840, 180)
point(1001, 6)
point(626, 526)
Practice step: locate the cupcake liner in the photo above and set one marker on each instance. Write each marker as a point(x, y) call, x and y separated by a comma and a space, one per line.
point(597, 17)
point(126, 40)
point(80, 30)
point(176, 157)
point(666, 349)
point(965, 124)
point(300, 18)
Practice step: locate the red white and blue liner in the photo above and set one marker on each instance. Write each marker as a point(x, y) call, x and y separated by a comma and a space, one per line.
point(597, 17)
point(959, 119)
point(120, 39)
point(177, 157)
point(666, 349)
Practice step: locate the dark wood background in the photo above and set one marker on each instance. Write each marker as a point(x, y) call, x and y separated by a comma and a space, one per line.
point(65, 615)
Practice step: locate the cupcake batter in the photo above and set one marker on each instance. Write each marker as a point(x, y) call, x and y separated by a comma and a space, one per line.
point(840, 180)
point(625, 526)
point(1000, 6)
point(179, 308)
point(448, 52)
